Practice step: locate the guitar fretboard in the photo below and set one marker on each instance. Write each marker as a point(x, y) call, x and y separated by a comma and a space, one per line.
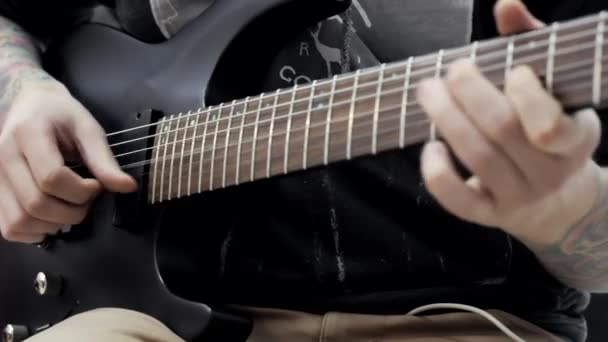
point(360, 113)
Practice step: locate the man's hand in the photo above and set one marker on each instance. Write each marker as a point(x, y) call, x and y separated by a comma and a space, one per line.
point(533, 172)
point(38, 193)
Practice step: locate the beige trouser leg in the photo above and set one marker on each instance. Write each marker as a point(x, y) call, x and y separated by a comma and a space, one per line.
point(107, 325)
point(279, 325)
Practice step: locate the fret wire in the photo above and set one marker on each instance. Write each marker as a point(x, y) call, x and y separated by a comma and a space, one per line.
point(192, 155)
point(377, 110)
point(227, 143)
point(394, 117)
point(160, 142)
point(486, 57)
point(367, 135)
point(551, 57)
point(351, 116)
point(217, 127)
point(238, 153)
point(439, 63)
point(561, 69)
point(509, 63)
point(307, 132)
point(173, 159)
point(270, 134)
point(328, 121)
point(575, 64)
point(488, 44)
point(411, 138)
point(200, 172)
point(421, 122)
point(577, 48)
point(181, 162)
point(162, 173)
point(255, 138)
point(288, 134)
point(390, 118)
point(438, 67)
point(389, 130)
point(474, 48)
point(597, 68)
point(392, 129)
point(406, 85)
point(367, 115)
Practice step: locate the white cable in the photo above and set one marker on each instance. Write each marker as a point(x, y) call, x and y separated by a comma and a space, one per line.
point(472, 309)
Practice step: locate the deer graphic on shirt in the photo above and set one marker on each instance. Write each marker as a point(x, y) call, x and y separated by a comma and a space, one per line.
point(331, 54)
point(328, 53)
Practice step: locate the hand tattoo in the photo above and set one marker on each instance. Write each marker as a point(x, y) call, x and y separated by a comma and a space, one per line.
point(581, 258)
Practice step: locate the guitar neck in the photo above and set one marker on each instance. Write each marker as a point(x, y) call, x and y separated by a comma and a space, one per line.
point(358, 114)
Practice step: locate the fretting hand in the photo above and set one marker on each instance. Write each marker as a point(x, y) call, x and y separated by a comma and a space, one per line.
point(533, 175)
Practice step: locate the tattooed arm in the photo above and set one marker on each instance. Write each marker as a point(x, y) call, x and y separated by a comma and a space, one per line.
point(19, 63)
point(533, 172)
point(580, 258)
point(41, 124)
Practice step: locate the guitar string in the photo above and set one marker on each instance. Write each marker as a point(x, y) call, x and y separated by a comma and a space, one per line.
point(364, 121)
point(367, 116)
point(491, 68)
point(495, 67)
point(319, 145)
point(246, 165)
point(398, 65)
point(374, 83)
point(244, 175)
point(231, 171)
point(320, 125)
point(186, 139)
point(218, 174)
point(566, 76)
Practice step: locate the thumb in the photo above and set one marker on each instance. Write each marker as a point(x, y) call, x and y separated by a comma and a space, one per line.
point(512, 16)
point(92, 145)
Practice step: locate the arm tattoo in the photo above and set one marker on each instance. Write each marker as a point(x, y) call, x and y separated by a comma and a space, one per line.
point(581, 258)
point(19, 63)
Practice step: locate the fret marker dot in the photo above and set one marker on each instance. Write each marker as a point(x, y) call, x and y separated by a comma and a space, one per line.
point(193, 122)
point(320, 105)
point(166, 128)
point(532, 45)
point(213, 117)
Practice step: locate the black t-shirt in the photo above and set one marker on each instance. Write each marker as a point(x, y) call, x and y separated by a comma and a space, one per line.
point(359, 236)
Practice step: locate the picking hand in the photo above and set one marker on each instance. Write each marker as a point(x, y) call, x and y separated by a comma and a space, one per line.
point(38, 193)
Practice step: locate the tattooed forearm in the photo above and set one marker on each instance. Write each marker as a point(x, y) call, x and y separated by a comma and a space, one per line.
point(19, 63)
point(581, 259)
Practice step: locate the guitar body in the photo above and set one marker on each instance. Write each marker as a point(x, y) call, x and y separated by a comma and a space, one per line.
point(110, 259)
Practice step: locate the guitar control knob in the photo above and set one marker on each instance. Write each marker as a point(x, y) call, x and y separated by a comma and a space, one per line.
point(15, 333)
point(47, 285)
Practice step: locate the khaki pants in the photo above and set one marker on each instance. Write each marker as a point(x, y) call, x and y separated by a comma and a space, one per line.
point(278, 325)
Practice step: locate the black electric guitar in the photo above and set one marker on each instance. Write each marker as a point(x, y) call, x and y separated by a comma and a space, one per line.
point(180, 120)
